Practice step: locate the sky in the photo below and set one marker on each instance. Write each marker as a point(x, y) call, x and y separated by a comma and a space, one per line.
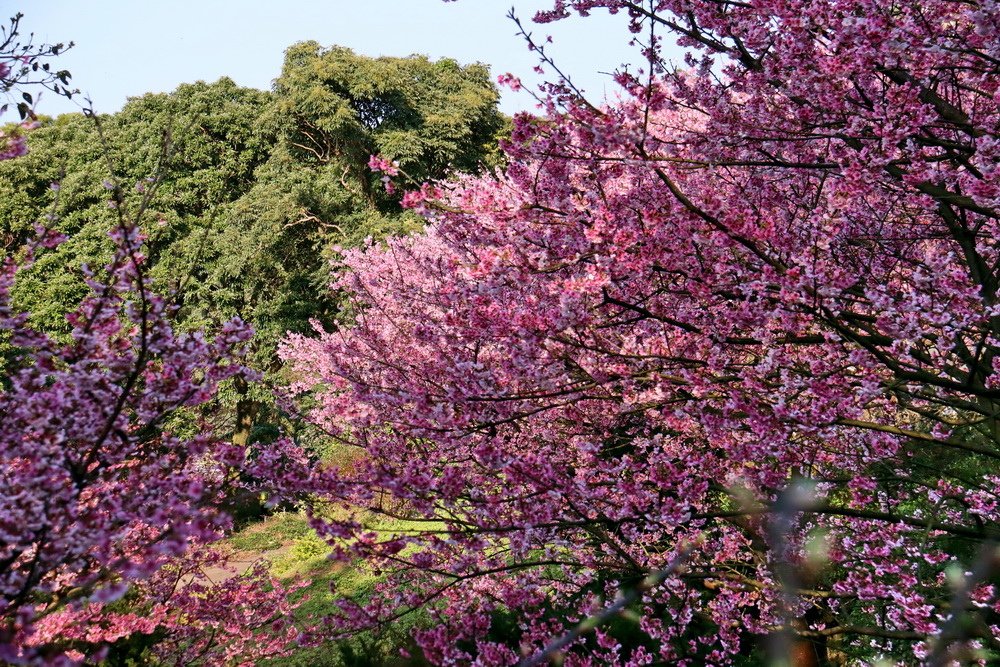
point(126, 48)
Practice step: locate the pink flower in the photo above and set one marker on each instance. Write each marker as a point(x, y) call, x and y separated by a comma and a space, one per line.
point(388, 167)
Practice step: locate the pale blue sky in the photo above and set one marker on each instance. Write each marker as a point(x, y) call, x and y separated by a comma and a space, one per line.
point(129, 47)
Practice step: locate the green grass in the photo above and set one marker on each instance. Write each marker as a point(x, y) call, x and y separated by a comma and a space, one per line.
point(306, 557)
point(377, 648)
point(271, 533)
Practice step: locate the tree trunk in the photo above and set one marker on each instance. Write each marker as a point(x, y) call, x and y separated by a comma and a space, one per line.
point(247, 410)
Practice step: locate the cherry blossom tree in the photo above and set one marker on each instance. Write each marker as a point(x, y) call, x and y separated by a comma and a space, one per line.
point(102, 487)
point(112, 485)
point(725, 350)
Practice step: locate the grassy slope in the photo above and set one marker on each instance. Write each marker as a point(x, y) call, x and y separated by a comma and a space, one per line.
point(298, 553)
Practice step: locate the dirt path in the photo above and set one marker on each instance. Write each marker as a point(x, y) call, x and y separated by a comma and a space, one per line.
point(241, 561)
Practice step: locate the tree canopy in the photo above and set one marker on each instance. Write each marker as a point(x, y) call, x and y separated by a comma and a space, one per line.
point(246, 214)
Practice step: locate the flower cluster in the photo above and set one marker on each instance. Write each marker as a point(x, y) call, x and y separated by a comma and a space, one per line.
point(14, 143)
point(98, 490)
point(190, 619)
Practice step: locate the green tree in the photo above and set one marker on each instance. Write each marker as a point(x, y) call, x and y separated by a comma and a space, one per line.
point(433, 117)
point(257, 187)
point(203, 138)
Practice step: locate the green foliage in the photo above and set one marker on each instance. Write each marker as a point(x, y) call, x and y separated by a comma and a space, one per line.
point(202, 138)
point(254, 187)
point(432, 117)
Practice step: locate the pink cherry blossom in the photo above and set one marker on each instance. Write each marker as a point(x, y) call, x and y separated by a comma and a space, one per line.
point(778, 263)
point(99, 491)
